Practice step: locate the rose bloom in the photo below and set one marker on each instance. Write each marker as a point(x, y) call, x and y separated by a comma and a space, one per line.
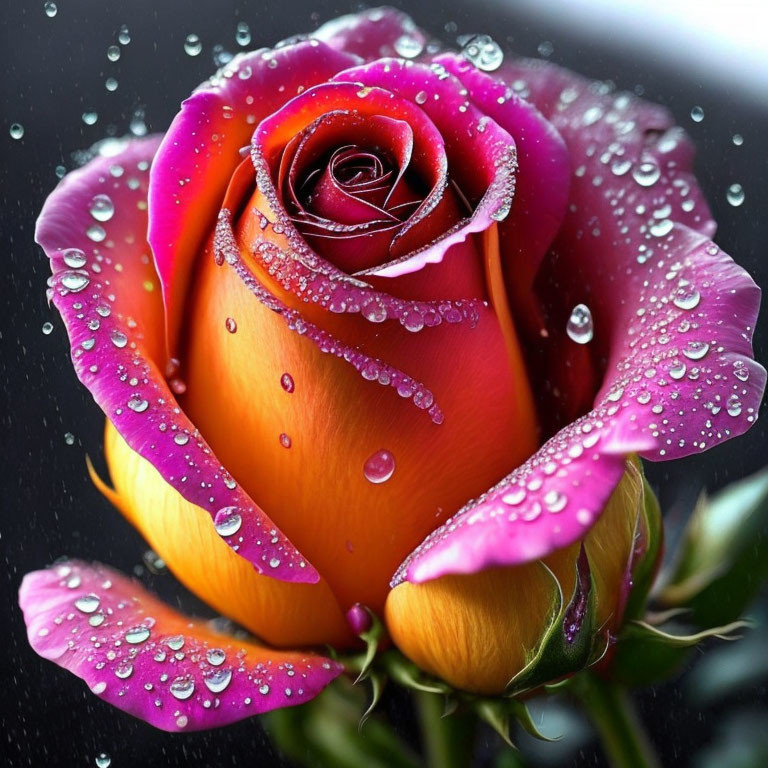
point(376, 323)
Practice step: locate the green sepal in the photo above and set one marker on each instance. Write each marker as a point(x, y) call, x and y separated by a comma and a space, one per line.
point(558, 655)
point(649, 533)
point(646, 653)
point(408, 675)
point(361, 663)
point(378, 681)
point(723, 558)
point(495, 712)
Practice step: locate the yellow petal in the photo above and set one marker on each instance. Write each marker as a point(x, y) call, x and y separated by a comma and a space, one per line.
point(283, 614)
point(478, 631)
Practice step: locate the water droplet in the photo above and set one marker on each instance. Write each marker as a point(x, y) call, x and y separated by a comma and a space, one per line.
point(737, 139)
point(90, 118)
point(50, 9)
point(243, 34)
point(696, 350)
point(74, 281)
point(677, 370)
point(231, 324)
point(119, 339)
point(741, 370)
point(97, 619)
point(136, 635)
point(103, 760)
point(285, 440)
point(113, 52)
point(697, 114)
point(661, 228)
point(484, 52)
point(175, 643)
point(124, 670)
point(60, 171)
point(555, 501)
point(137, 126)
point(379, 467)
point(216, 656)
point(16, 131)
point(47, 328)
point(420, 97)
point(124, 35)
point(102, 208)
point(408, 47)
point(514, 496)
point(733, 405)
point(217, 680)
point(228, 521)
point(580, 327)
point(87, 603)
point(138, 404)
point(687, 299)
point(69, 438)
point(192, 45)
point(735, 195)
point(545, 49)
point(182, 688)
point(287, 383)
point(96, 232)
point(647, 173)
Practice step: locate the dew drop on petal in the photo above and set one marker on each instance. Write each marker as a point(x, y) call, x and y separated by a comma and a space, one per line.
point(215, 656)
point(102, 208)
point(580, 327)
point(87, 603)
point(287, 383)
point(74, 257)
point(228, 521)
point(182, 688)
point(217, 680)
point(285, 440)
point(231, 324)
point(408, 47)
point(136, 635)
point(647, 173)
point(484, 52)
point(379, 467)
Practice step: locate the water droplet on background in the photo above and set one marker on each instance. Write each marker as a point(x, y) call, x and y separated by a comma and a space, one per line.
point(124, 35)
point(379, 467)
point(111, 84)
point(192, 45)
point(103, 760)
point(16, 130)
point(90, 118)
point(69, 438)
point(47, 328)
point(697, 114)
point(580, 327)
point(50, 9)
point(484, 52)
point(243, 34)
point(113, 52)
point(735, 195)
point(737, 139)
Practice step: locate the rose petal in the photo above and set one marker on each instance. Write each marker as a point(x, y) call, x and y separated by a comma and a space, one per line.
point(673, 315)
point(201, 150)
point(102, 279)
point(150, 661)
point(481, 155)
point(373, 34)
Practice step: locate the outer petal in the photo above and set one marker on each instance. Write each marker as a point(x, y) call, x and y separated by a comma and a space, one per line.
point(283, 614)
point(478, 631)
point(673, 316)
point(374, 34)
point(201, 150)
point(150, 661)
point(102, 280)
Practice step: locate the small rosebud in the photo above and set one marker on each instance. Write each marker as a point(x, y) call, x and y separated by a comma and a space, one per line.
point(359, 619)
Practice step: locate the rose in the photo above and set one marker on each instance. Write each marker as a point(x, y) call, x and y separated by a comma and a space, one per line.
point(424, 274)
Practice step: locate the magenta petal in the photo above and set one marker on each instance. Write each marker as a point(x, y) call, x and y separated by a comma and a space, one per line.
point(374, 34)
point(150, 661)
point(200, 152)
point(105, 288)
point(482, 158)
point(673, 316)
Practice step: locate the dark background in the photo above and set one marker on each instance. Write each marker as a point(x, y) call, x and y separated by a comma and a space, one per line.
point(53, 70)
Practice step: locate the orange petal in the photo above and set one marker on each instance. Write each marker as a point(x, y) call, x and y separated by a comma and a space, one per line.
point(282, 613)
point(478, 631)
point(353, 531)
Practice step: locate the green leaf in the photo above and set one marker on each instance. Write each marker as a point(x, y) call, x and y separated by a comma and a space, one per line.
point(723, 559)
